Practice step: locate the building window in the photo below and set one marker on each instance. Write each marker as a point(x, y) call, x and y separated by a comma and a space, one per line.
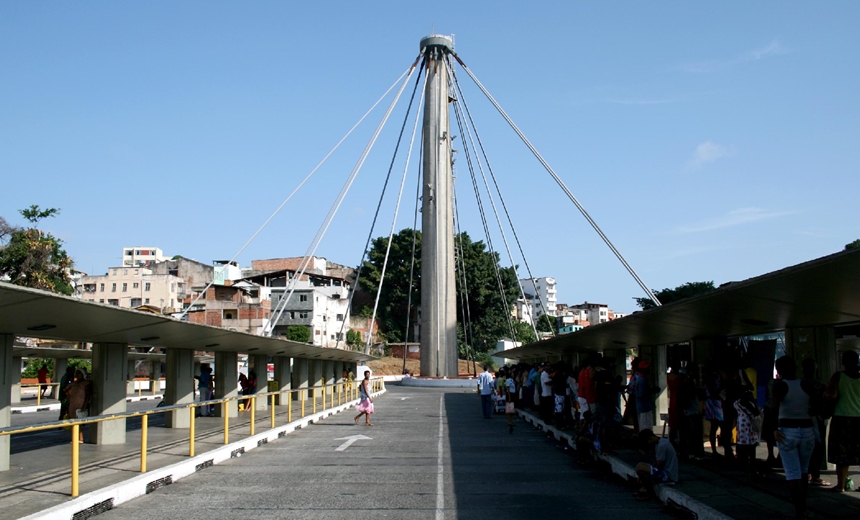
point(113, 302)
point(340, 317)
point(172, 287)
point(101, 301)
point(146, 301)
point(171, 302)
point(318, 333)
point(113, 287)
point(124, 287)
point(339, 336)
point(303, 315)
point(101, 287)
point(146, 286)
point(135, 285)
point(303, 297)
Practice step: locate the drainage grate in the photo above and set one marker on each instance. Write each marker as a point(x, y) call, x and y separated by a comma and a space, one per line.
point(93, 510)
point(262, 441)
point(237, 453)
point(204, 465)
point(159, 483)
point(282, 434)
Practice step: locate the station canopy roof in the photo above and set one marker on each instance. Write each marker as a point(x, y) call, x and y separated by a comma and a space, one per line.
point(824, 291)
point(77, 353)
point(40, 314)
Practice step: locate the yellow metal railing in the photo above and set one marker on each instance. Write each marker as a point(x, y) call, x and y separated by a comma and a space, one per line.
point(347, 388)
point(54, 392)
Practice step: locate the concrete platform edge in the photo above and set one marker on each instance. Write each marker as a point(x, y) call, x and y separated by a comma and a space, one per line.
point(137, 486)
point(56, 406)
point(665, 494)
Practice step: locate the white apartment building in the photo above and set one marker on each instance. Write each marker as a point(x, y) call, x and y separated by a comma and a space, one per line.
point(523, 311)
point(141, 256)
point(319, 302)
point(541, 293)
point(131, 287)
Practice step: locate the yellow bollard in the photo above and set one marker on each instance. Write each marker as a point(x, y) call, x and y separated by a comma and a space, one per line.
point(253, 413)
point(273, 411)
point(225, 413)
point(289, 407)
point(302, 394)
point(144, 430)
point(191, 433)
point(139, 388)
point(314, 400)
point(332, 396)
point(76, 432)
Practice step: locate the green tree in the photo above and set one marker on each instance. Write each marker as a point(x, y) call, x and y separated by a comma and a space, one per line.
point(686, 290)
point(299, 333)
point(489, 313)
point(524, 332)
point(33, 365)
point(545, 323)
point(394, 298)
point(353, 339)
point(853, 245)
point(34, 258)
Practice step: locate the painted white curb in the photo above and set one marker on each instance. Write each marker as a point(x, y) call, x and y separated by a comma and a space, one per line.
point(108, 498)
point(664, 493)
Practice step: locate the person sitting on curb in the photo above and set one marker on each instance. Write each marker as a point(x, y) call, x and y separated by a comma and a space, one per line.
point(663, 471)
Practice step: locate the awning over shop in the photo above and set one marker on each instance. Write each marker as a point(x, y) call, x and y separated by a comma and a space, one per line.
point(824, 291)
point(40, 314)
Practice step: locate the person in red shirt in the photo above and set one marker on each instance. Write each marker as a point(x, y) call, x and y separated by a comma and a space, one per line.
point(42, 375)
point(587, 390)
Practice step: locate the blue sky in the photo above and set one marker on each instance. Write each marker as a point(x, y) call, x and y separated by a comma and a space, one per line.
point(710, 141)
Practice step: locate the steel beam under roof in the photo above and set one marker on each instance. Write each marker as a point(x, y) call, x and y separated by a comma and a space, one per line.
point(824, 291)
point(40, 314)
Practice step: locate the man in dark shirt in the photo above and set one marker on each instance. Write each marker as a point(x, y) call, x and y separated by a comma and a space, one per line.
point(607, 396)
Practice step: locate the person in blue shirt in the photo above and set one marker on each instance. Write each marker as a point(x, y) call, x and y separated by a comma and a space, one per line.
point(485, 387)
point(644, 397)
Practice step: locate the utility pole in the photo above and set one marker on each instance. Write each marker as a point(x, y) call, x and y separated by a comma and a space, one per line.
point(439, 351)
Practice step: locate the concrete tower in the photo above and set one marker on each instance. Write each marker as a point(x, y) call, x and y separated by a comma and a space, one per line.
point(439, 352)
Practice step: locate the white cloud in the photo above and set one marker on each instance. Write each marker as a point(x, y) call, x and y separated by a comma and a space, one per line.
point(709, 151)
point(771, 49)
point(735, 217)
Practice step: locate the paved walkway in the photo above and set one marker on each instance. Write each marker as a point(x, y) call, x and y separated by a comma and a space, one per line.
point(430, 455)
point(40, 474)
point(714, 486)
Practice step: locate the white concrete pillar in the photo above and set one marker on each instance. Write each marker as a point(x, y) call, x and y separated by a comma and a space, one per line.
point(338, 371)
point(261, 367)
point(328, 372)
point(155, 378)
point(15, 374)
point(227, 381)
point(659, 366)
point(60, 365)
point(179, 375)
point(300, 378)
point(315, 369)
point(284, 376)
point(6, 370)
point(110, 366)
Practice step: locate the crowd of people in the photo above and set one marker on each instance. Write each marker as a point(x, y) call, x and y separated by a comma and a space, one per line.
point(791, 418)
